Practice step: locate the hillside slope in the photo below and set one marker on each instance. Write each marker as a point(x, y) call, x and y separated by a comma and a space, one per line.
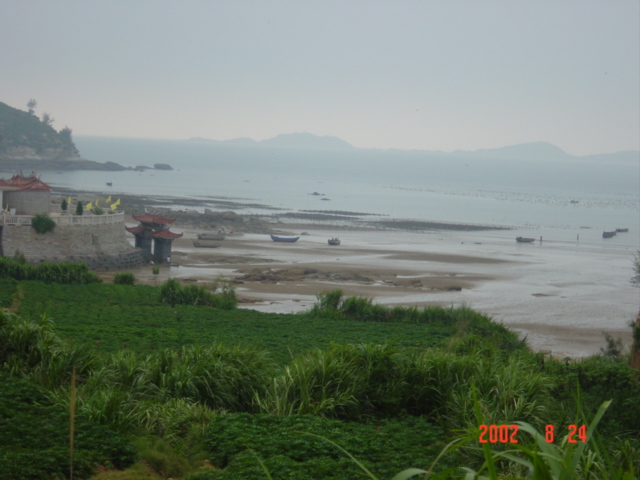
point(24, 136)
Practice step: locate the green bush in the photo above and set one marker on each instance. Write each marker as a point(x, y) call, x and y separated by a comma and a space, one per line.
point(173, 293)
point(124, 278)
point(42, 223)
point(79, 208)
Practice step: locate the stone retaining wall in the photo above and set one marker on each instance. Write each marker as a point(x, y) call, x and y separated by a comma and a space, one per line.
point(99, 246)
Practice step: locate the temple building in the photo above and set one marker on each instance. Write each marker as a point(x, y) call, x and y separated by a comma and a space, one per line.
point(154, 237)
point(25, 195)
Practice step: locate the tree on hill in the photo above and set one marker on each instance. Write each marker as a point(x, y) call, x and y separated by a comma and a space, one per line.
point(47, 119)
point(31, 105)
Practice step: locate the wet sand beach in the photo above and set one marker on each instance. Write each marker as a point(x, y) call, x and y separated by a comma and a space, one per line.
point(560, 296)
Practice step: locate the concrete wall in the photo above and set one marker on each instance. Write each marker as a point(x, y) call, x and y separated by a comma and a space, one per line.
point(28, 202)
point(99, 246)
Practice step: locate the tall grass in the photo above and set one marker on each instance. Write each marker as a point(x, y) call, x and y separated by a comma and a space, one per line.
point(63, 272)
point(473, 328)
point(356, 381)
point(173, 293)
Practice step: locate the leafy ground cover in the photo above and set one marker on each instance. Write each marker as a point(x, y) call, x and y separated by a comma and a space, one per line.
point(113, 317)
point(290, 447)
point(34, 435)
point(7, 289)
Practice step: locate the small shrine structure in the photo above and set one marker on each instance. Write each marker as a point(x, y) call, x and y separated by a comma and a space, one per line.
point(154, 237)
point(25, 195)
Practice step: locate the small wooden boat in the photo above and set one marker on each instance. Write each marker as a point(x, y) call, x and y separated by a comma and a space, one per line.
point(622, 230)
point(525, 240)
point(334, 241)
point(205, 244)
point(608, 234)
point(275, 238)
point(109, 184)
point(215, 237)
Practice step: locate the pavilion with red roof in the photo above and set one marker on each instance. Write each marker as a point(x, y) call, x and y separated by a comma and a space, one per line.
point(153, 230)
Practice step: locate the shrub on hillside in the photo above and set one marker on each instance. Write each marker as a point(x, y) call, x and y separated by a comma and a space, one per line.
point(42, 223)
point(173, 293)
point(124, 278)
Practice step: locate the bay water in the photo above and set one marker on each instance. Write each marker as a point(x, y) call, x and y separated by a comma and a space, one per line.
point(559, 199)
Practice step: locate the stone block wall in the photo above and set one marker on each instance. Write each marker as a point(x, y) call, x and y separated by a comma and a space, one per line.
point(28, 202)
point(99, 246)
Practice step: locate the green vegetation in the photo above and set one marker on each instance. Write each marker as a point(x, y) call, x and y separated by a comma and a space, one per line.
point(34, 434)
point(42, 223)
point(247, 391)
point(64, 272)
point(290, 447)
point(79, 208)
point(173, 293)
point(124, 278)
point(22, 129)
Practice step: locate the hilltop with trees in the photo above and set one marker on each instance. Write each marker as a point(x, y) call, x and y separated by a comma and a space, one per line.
point(30, 142)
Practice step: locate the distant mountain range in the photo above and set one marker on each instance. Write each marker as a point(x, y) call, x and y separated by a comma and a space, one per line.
point(299, 140)
point(532, 150)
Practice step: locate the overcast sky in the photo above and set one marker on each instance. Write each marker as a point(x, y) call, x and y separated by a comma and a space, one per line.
point(433, 75)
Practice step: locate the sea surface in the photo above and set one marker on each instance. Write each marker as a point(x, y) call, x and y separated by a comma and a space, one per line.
point(559, 199)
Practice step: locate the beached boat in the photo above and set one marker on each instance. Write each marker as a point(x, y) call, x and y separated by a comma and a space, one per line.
point(205, 244)
point(622, 230)
point(214, 237)
point(608, 234)
point(334, 241)
point(275, 238)
point(525, 240)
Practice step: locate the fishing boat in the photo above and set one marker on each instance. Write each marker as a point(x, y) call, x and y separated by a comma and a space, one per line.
point(608, 234)
point(275, 238)
point(622, 230)
point(334, 241)
point(214, 237)
point(525, 240)
point(205, 244)
point(109, 184)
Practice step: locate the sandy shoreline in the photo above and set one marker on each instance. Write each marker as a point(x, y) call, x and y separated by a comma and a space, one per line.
point(561, 297)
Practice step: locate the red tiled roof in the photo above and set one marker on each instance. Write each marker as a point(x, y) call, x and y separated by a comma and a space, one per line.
point(166, 234)
point(27, 183)
point(136, 230)
point(150, 218)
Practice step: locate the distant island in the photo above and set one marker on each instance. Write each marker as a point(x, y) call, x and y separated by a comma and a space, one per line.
point(31, 143)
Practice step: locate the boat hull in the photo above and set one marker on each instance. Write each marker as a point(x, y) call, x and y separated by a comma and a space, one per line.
point(275, 238)
point(525, 240)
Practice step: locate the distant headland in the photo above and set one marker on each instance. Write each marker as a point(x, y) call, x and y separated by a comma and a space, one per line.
point(31, 143)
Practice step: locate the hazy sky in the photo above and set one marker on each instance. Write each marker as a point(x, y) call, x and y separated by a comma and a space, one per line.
point(435, 75)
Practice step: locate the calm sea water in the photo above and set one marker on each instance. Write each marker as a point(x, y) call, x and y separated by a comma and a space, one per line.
point(535, 197)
